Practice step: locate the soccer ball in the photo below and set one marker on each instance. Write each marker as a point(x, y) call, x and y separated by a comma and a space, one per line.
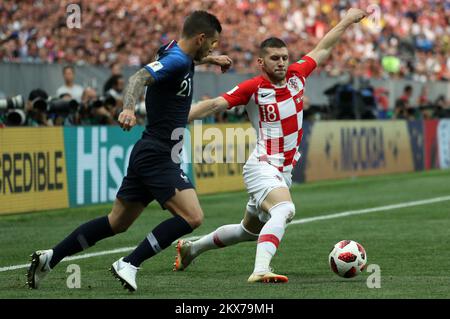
point(347, 258)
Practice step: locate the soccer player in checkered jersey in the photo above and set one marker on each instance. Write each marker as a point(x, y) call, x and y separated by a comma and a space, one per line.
point(276, 115)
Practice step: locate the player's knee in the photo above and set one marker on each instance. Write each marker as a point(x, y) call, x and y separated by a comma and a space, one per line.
point(292, 212)
point(284, 209)
point(194, 219)
point(117, 224)
point(196, 222)
point(121, 228)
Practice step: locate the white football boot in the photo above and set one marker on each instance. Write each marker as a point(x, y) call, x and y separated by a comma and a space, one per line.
point(39, 268)
point(125, 273)
point(267, 277)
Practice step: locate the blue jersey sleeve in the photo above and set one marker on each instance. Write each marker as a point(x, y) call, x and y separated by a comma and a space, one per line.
point(167, 67)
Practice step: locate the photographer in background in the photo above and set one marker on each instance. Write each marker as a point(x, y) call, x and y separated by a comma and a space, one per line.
point(36, 109)
point(94, 110)
point(69, 86)
point(44, 111)
point(63, 111)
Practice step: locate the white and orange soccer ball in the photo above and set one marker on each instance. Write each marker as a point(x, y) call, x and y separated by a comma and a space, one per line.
point(347, 258)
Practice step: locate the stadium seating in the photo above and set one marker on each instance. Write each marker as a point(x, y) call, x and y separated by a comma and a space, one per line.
point(413, 35)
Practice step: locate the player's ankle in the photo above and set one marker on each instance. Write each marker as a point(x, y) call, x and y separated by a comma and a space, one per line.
point(261, 271)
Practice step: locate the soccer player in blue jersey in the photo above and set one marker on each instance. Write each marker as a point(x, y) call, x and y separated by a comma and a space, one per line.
point(152, 173)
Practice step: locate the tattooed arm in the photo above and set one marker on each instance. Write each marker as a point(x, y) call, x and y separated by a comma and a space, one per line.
point(134, 90)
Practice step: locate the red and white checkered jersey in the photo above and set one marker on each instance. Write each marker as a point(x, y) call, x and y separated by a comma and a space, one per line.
point(277, 114)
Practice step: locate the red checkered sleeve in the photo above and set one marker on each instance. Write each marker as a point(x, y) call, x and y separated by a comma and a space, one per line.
point(304, 66)
point(241, 93)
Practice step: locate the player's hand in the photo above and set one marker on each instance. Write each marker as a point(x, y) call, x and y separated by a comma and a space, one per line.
point(355, 15)
point(127, 119)
point(224, 61)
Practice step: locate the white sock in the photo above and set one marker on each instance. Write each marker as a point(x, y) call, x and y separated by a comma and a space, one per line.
point(223, 236)
point(271, 235)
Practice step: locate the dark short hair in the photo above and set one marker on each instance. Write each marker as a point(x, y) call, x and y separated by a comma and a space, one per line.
point(37, 93)
point(271, 42)
point(68, 67)
point(201, 22)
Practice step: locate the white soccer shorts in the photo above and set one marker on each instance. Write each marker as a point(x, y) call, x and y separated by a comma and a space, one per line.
point(261, 178)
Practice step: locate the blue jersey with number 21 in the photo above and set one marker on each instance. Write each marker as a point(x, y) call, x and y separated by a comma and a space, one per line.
point(169, 99)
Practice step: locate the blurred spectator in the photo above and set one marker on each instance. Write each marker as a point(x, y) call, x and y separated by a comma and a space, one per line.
point(117, 87)
point(441, 107)
point(411, 40)
point(422, 100)
point(391, 65)
point(116, 69)
point(69, 86)
point(399, 110)
point(382, 98)
point(403, 108)
point(84, 116)
point(406, 96)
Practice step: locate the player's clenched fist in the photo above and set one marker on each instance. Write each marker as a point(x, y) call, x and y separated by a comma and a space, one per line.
point(127, 119)
point(355, 15)
point(223, 61)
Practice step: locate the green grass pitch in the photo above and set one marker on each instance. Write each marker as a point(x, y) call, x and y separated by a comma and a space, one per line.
point(409, 244)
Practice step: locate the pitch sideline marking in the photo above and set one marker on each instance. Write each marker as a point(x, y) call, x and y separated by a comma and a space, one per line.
point(298, 221)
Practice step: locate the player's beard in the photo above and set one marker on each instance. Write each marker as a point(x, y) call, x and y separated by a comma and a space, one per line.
point(198, 56)
point(203, 52)
point(278, 76)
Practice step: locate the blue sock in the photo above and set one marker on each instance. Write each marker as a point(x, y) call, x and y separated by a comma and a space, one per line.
point(159, 239)
point(81, 238)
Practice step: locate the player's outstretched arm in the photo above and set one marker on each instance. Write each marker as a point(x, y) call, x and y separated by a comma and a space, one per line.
point(207, 107)
point(323, 50)
point(224, 61)
point(133, 91)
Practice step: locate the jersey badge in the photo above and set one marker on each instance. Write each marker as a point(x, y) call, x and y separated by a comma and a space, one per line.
point(156, 66)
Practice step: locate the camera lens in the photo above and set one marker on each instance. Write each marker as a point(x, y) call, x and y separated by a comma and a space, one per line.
point(63, 106)
point(95, 104)
point(39, 104)
point(15, 102)
point(15, 118)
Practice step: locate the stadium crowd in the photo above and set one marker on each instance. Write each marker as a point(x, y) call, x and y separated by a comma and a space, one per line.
point(410, 40)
